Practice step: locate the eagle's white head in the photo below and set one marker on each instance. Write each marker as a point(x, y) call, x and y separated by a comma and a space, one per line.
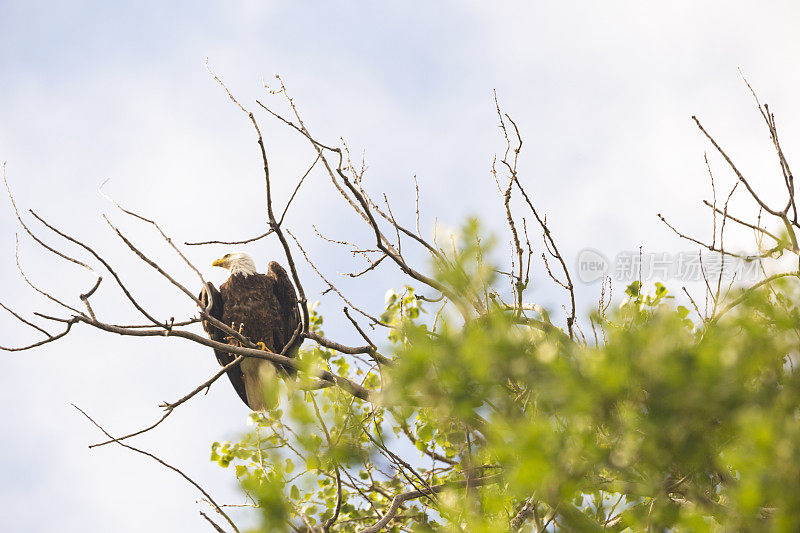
point(236, 263)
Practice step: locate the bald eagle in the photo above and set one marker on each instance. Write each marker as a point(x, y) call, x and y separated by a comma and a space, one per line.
point(263, 308)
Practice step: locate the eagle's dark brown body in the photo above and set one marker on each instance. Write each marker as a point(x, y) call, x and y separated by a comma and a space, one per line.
point(264, 306)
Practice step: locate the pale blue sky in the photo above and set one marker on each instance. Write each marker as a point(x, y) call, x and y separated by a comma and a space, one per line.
point(602, 91)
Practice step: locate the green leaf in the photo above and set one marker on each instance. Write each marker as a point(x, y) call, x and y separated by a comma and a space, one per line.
point(633, 289)
point(312, 462)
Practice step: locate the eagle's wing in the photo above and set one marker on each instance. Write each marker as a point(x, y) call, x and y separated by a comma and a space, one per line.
point(287, 301)
point(211, 295)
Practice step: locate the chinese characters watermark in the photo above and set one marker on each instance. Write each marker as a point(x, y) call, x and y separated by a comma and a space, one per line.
point(628, 266)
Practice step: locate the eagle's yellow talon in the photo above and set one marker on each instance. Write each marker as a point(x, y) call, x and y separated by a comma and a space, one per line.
point(262, 346)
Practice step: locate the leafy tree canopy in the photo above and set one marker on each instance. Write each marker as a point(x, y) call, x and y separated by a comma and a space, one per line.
point(662, 423)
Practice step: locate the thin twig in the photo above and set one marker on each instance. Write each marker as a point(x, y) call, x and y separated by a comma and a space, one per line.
point(399, 499)
point(213, 524)
point(169, 407)
point(245, 241)
point(24, 321)
point(285, 209)
point(333, 287)
point(161, 462)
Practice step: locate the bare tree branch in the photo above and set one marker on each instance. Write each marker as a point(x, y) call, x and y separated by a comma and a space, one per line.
point(162, 463)
point(299, 183)
point(399, 499)
point(24, 321)
point(50, 339)
point(245, 241)
point(213, 524)
point(345, 384)
point(169, 407)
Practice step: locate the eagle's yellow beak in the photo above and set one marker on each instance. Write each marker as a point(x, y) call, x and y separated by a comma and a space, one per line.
point(219, 262)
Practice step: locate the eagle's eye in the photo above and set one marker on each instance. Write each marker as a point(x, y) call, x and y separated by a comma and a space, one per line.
point(226, 256)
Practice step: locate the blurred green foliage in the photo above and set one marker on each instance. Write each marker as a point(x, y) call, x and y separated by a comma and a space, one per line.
point(664, 424)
